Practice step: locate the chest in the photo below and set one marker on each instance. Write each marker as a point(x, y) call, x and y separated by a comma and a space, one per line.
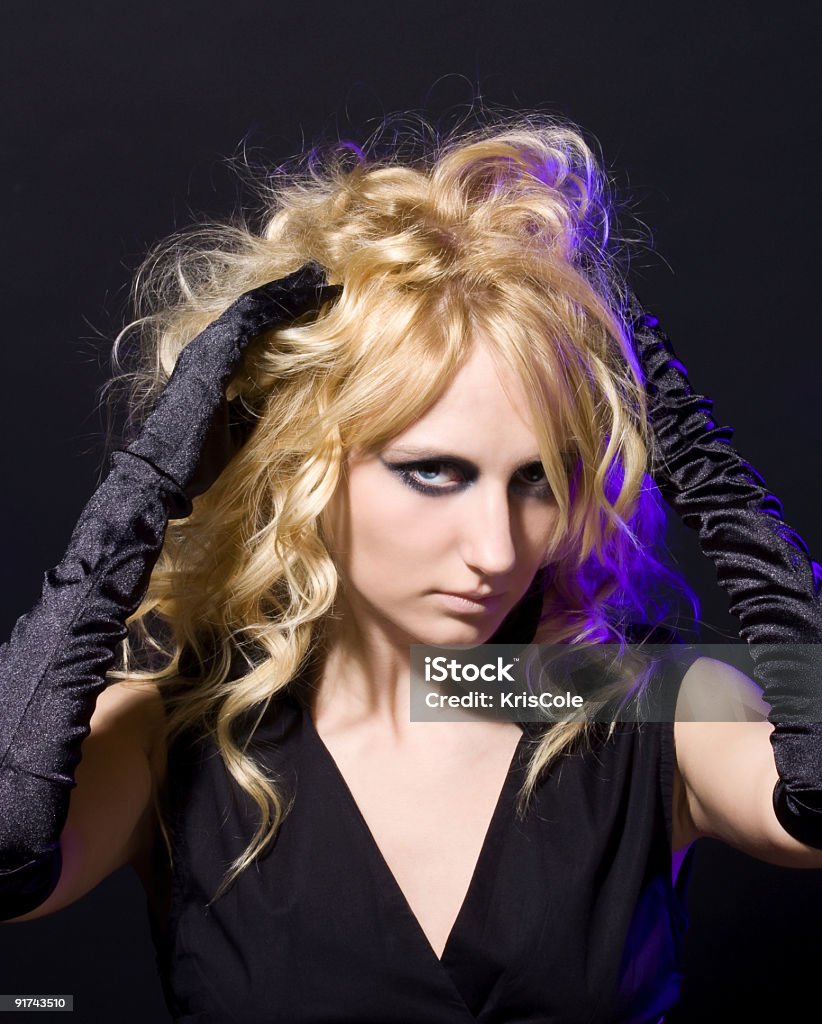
point(428, 816)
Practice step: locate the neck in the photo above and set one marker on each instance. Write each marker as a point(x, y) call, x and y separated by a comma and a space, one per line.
point(364, 675)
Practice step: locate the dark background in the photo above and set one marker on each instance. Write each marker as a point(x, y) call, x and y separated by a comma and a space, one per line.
point(115, 120)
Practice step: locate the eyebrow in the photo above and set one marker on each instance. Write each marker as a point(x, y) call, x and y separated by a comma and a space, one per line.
point(435, 455)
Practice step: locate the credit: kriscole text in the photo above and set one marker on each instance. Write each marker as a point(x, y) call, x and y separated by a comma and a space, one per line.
point(509, 699)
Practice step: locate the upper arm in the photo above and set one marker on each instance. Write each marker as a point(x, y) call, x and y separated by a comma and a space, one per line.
point(111, 810)
point(726, 767)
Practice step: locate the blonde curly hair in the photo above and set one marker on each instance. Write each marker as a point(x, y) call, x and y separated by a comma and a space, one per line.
point(501, 231)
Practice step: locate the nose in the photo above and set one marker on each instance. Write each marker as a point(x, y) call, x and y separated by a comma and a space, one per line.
point(488, 543)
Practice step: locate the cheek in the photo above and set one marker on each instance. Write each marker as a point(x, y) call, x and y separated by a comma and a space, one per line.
point(537, 526)
point(386, 535)
point(397, 535)
point(389, 516)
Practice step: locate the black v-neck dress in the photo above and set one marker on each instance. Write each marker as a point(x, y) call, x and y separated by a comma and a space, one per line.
point(571, 914)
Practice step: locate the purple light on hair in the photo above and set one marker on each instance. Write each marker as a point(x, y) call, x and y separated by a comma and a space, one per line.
point(348, 144)
point(315, 156)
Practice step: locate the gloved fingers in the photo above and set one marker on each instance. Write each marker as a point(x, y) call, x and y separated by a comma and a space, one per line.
point(188, 435)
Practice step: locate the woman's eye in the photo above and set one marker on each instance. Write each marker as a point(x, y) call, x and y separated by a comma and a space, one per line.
point(430, 477)
point(532, 480)
point(533, 474)
point(430, 470)
point(437, 478)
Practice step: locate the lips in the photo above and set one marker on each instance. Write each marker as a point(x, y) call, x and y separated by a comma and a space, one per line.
point(469, 603)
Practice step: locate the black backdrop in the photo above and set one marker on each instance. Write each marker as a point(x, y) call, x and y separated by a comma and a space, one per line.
point(114, 122)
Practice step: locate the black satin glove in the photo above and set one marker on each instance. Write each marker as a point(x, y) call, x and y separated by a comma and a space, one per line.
point(187, 436)
point(55, 663)
point(763, 565)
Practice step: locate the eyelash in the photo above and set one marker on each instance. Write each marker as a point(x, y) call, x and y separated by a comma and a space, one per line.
point(405, 471)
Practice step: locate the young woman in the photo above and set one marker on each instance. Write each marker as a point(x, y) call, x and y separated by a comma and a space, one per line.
point(417, 406)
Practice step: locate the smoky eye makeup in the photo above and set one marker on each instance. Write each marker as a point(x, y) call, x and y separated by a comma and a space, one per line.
point(448, 475)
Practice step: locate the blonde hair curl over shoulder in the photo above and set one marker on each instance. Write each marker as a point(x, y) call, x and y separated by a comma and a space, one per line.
point(500, 231)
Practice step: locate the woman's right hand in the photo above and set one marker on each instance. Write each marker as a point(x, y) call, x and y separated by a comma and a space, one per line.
point(56, 661)
point(187, 435)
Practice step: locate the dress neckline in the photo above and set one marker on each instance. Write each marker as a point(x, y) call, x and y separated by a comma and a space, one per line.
point(487, 858)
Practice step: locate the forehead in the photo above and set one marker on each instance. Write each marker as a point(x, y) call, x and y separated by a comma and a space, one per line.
point(484, 405)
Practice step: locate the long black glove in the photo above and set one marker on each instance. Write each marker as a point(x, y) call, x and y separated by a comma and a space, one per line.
point(54, 665)
point(763, 565)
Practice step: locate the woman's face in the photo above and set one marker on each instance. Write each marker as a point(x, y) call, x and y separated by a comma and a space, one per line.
point(456, 504)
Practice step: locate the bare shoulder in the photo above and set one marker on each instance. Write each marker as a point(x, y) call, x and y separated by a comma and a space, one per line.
point(717, 705)
point(726, 769)
point(134, 707)
point(714, 691)
point(130, 715)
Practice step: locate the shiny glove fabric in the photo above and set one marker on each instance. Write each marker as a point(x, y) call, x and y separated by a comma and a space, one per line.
point(761, 562)
point(54, 665)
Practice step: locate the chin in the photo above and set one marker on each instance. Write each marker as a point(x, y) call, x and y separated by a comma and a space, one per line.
point(456, 632)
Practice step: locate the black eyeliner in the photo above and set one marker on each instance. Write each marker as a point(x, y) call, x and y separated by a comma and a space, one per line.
point(404, 470)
